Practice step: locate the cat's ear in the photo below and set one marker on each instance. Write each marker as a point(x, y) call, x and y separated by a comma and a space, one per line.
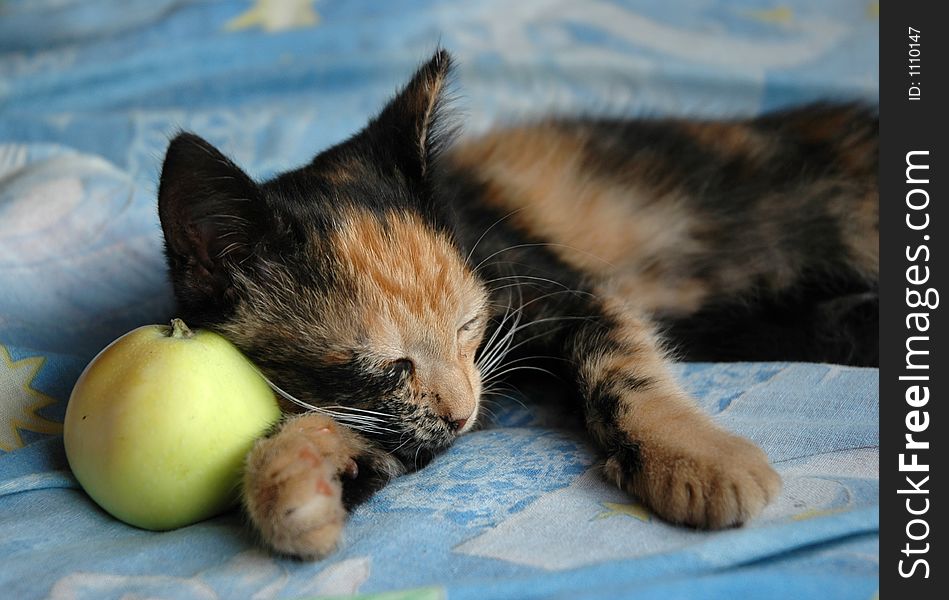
point(209, 210)
point(413, 123)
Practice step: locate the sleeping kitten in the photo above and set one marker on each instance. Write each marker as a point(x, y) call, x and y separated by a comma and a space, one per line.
point(395, 276)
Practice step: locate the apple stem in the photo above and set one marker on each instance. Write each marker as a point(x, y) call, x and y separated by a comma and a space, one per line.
point(180, 330)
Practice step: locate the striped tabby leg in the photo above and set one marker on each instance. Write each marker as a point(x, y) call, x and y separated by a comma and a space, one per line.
point(659, 445)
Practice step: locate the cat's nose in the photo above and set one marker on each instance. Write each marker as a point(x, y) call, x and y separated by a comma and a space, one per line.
point(455, 424)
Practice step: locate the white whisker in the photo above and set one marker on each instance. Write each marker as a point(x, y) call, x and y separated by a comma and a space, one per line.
point(364, 423)
point(543, 244)
point(353, 408)
point(508, 215)
point(522, 368)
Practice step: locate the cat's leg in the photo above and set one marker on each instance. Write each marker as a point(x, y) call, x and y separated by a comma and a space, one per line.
point(299, 482)
point(660, 446)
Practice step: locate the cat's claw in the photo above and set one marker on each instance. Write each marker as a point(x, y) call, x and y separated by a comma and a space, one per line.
point(711, 479)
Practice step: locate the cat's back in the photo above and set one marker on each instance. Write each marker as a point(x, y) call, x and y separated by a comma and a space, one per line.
point(683, 209)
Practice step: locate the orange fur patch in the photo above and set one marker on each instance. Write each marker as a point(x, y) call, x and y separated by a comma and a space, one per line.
point(729, 139)
point(414, 293)
point(600, 226)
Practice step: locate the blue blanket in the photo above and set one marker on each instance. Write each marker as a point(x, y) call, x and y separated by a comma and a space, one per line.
point(90, 92)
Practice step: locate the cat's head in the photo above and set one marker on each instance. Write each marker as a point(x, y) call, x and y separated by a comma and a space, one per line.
point(342, 280)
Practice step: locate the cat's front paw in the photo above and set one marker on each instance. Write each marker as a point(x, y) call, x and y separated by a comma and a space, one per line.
point(292, 489)
point(708, 478)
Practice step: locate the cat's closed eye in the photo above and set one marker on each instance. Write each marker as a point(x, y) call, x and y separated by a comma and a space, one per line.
point(469, 326)
point(402, 368)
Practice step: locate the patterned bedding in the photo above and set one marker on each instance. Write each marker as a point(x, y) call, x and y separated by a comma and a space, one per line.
point(90, 92)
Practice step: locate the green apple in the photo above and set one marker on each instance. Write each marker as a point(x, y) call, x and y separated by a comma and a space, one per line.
point(159, 423)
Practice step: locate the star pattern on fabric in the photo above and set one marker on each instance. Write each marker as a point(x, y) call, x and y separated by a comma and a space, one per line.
point(276, 15)
point(19, 402)
point(634, 510)
point(779, 15)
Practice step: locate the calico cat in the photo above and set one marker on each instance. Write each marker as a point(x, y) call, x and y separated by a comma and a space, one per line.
point(388, 284)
